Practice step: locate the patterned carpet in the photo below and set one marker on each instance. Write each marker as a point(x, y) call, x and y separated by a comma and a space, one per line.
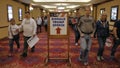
point(58, 49)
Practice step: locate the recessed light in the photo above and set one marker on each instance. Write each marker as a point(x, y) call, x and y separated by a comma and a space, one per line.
point(72, 6)
point(61, 4)
point(60, 7)
point(61, 0)
point(48, 6)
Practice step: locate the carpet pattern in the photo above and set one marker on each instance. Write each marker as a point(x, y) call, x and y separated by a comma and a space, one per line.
point(58, 49)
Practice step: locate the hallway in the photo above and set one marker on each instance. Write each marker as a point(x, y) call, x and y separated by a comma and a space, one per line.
point(57, 50)
point(60, 18)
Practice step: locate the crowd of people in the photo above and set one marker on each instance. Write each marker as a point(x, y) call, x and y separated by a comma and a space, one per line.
point(84, 28)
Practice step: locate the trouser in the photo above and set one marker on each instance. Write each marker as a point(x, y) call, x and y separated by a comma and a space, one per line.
point(11, 41)
point(77, 34)
point(101, 42)
point(45, 27)
point(38, 28)
point(85, 47)
point(26, 45)
point(116, 44)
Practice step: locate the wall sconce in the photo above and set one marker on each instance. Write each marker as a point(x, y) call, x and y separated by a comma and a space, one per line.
point(30, 8)
point(75, 11)
point(44, 11)
point(91, 8)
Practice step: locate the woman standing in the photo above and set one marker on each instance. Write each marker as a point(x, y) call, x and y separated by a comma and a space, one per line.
point(102, 32)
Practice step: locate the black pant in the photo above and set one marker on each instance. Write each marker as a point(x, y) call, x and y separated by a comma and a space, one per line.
point(116, 44)
point(101, 42)
point(45, 27)
point(77, 34)
point(38, 28)
point(11, 41)
point(26, 45)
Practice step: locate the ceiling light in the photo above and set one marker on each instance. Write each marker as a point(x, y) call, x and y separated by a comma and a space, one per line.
point(75, 11)
point(60, 10)
point(63, 4)
point(51, 10)
point(30, 7)
point(46, 6)
point(60, 7)
point(91, 8)
point(66, 10)
point(61, 0)
point(72, 6)
point(44, 11)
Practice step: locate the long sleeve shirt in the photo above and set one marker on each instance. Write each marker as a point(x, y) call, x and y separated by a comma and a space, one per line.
point(102, 29)
point(29, 27)
point(12, 30)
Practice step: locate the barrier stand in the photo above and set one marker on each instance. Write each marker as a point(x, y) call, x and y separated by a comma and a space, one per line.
point(68, 59)
point(58, 29)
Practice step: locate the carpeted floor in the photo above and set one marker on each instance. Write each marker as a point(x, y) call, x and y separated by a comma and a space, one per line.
point(58, 49)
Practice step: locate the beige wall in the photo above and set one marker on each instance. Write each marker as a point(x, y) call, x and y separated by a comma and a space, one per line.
point(35, 12)
point(80, 11)
point(107, 7)
point(3, 15)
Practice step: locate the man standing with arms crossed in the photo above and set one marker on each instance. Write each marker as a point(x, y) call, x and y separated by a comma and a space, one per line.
point(86, 27)
point(29, 29)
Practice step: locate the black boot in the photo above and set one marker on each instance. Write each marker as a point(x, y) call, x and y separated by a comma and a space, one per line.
point(33, 49)
point(23, 55)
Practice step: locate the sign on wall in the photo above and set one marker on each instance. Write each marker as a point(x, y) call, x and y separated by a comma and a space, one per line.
point(58, 24)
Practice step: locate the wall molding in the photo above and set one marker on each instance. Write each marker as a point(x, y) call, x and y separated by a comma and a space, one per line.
point(7, 26)
point(3, 26)
point(102, 2)
point(20, 2)
point(3, 38)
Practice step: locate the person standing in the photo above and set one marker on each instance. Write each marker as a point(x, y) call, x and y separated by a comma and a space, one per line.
point(86, 28)
point(45, 22)
point(101, 32)
point(39, 24)
point(29, 29)
point(116, 32)
point(13, 35)
point(77, 34)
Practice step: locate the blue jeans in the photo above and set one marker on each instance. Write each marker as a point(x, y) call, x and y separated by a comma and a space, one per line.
point(86, 42)
point(11, 41)
point(101, 42)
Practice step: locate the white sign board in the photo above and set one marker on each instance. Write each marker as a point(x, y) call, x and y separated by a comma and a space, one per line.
point(58, 24)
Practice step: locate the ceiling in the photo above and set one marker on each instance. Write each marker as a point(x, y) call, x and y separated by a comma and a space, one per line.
point(61, 5)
